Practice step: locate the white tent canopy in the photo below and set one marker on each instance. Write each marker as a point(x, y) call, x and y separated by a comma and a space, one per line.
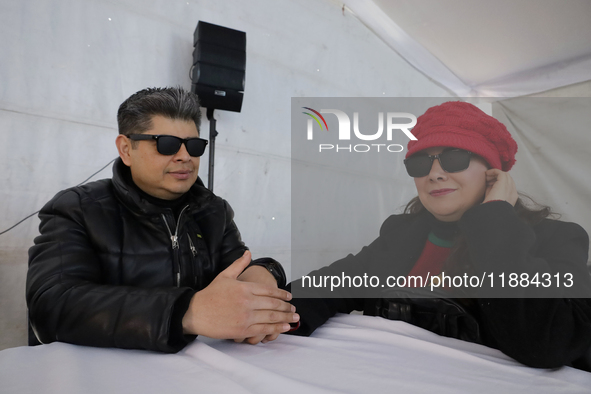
point(501, 48)
point(68, 64)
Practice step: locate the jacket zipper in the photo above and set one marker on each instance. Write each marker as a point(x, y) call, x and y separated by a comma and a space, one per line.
point(194, 252)
point(175, 244)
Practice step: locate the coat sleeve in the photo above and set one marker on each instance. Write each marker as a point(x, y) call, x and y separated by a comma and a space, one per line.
point(69, 302)
point(539, 332)
point(314, 312)
point(316, 305)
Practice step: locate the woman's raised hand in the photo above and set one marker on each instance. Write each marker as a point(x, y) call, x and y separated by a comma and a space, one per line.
point(500, 186)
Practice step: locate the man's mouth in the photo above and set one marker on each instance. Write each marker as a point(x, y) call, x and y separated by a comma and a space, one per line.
point(181, 174)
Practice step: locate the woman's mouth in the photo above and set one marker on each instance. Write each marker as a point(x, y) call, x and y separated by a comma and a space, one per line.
point(441, 192)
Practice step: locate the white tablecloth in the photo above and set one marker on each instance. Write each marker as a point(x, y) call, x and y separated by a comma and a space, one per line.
point(349, 354)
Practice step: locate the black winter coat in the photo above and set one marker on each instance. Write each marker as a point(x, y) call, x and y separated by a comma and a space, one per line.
point(111, 269)
point(539, 332)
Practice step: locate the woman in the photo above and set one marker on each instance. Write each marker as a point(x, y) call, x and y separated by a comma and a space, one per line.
point(468, 218)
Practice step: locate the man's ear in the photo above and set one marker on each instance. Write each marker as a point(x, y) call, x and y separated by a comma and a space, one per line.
point(124, 147)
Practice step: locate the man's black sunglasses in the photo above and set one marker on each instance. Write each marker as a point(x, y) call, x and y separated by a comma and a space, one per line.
point(168, 145)
point(453, 160)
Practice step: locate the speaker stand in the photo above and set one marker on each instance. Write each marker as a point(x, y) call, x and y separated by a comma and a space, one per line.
point(212, 134)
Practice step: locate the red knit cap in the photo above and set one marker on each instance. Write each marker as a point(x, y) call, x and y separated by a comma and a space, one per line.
point(458, 124)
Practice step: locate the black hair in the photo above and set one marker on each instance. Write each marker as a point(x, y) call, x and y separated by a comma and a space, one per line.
point(135, 114)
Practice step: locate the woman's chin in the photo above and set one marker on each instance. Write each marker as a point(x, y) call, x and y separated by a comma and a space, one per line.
point(446, 215)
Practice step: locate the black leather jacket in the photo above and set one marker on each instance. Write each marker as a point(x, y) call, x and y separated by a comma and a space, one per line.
point(111, 269)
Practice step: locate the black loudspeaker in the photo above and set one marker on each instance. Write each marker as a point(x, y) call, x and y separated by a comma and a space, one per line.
point(219, 64)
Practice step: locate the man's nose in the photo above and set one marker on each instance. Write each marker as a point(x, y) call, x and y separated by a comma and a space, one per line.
point(182, 154)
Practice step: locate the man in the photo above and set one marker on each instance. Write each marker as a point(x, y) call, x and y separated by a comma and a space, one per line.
point(151, 258)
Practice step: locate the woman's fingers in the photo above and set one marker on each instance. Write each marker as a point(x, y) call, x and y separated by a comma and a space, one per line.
point(500, 186)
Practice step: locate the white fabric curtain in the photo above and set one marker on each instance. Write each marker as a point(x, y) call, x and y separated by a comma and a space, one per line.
point(553, 158)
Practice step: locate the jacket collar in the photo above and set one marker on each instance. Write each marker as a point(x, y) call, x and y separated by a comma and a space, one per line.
point(406, 238)
point(128, 195)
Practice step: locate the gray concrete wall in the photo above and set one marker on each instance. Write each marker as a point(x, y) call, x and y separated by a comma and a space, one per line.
point(13, 270)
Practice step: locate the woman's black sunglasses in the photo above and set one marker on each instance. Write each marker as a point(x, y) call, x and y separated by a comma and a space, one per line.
point(168, 145)
point(453, 160)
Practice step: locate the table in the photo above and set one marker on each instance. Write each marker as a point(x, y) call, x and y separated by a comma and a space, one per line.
point(349, 354)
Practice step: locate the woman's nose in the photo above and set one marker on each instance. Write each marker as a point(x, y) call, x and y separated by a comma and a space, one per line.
point(436, 171)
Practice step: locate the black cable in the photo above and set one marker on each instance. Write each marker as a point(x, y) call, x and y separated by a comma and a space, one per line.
point(5, 231)
point(102, 168)
point(81, 183)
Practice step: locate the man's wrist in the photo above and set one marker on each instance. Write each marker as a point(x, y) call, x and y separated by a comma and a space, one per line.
point(187, 319)
point(274, 269)
point(257, 274)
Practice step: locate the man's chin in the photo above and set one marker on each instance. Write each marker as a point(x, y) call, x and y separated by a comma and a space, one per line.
point(179, 190)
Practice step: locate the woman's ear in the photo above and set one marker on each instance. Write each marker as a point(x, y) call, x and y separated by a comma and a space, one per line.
point(124, 148)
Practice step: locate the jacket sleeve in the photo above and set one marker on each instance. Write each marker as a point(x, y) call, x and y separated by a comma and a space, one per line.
point(539, 332)
point(68, 301)
point(316, 305)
